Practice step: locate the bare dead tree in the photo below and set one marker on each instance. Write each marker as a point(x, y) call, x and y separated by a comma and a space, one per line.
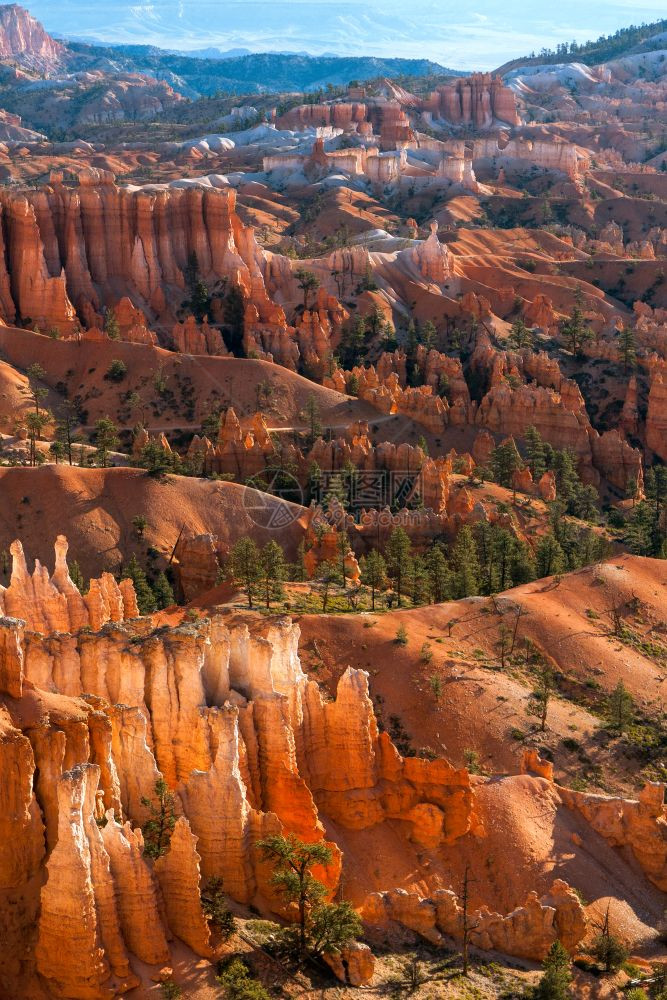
point(467, 926)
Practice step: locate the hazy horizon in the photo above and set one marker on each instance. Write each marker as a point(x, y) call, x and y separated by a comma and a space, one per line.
point(465, 35)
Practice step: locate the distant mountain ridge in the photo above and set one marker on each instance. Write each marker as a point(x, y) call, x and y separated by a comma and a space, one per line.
point(254, 73)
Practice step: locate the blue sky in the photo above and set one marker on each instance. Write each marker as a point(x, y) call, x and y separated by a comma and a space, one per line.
point(463, 34)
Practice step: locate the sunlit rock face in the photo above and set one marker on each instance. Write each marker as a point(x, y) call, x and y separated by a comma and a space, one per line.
point(248, 745)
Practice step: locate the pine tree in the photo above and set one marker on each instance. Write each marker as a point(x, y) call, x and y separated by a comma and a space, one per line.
point(311, 415)
point(36, 393)
point(626, 345)
point(308, 282)
point(162, 589)
point(576, 330)
point(411, 340)
point(607, 948)
point(343, 547)
point(298, 570)
point(155, 460)
point(520, 336)
point(397, 556)
point(439, 575)
point(76, 576)
point(375, 321)
point(145, 597)
point(535, 453)
point(418, 580)
point(505, 460)
point(321, 927)
point(200, 300)
point(328, 576)
point(620, 707)
point(140, 523)
point(272, 571)
point(465, 563)
point(106, 439)
point(557, 977)
point(111, 327)
point(66, 423)
point(353, 343)
point(35, 421)
point(549, 556)
point(57, 449)
point(567, 477)
point(522, 564)
point(157, 830)
point(244, 563)
point(504, 545)
point(373, 573)
point(428, 335)
point(542, 694)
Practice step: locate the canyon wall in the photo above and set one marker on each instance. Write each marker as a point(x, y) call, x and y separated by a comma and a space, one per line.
point(70, 249)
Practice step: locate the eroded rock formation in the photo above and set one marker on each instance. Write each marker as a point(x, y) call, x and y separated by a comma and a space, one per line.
point(527, 932)
point(249, 747)
point(475, 100)
point(54, 603)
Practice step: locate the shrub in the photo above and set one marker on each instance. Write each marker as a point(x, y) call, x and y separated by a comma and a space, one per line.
point(401, 636)
point(170, 990)
point(610, 951)
point(238, 984)
point(117, 371)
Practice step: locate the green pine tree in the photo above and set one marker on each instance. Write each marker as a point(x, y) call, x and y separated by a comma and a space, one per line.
point(272, 571)
point(373, 573)
point(245, 567)
point(555, 982)
point(535, 453)
point(164, 594)
point(549, 556)
point(397, 556)
point(158, 828)
point(627, 347)
point(465, 563)
point(505, 460)
point(439, 575)
point(145, 597)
